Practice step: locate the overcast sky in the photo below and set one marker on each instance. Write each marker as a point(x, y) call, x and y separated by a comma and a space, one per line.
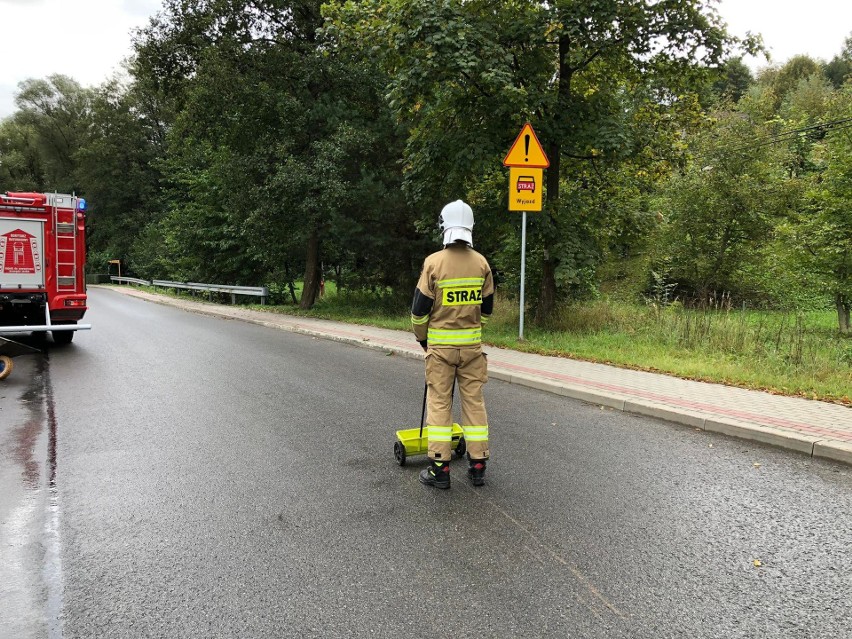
point(87, 39)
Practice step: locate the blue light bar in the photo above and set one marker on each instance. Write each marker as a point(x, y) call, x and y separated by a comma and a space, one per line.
point(81, 204)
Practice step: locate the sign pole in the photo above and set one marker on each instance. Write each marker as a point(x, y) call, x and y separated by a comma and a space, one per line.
point(523, 269)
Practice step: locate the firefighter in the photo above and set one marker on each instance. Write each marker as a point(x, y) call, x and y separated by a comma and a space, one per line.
point(453, 299)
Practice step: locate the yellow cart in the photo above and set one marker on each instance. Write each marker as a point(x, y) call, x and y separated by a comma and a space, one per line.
point(415, 441)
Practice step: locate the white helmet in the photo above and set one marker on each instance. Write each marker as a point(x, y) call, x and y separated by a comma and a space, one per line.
point(456, 222)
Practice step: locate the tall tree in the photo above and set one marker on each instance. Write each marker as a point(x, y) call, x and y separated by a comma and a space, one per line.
point(733, 80)
point(274, 141)
point(839, 70)
point(720, 213)
point(118, 166)
point(57, 110)
point(823, 235)
point(21, 164)
point(464, 75)
point(783, 80)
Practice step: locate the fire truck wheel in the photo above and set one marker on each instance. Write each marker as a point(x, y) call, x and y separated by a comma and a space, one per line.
point(63, 337)
point(6, 366)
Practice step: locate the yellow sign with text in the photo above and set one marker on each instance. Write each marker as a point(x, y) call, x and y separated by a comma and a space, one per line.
point(525, 186)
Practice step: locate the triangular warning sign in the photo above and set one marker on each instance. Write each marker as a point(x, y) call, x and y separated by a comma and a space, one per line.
point(527, 151)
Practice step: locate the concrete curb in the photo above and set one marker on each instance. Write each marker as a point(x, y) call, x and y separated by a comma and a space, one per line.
point(834, 450)
point(813, 446)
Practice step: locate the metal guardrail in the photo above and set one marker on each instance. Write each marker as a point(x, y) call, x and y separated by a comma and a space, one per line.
point(255, 291)
point(130, 280)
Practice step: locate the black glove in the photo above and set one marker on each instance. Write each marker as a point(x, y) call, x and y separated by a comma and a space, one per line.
point(425, 344)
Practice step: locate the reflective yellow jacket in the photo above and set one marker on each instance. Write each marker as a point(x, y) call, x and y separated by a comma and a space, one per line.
point(454, 297)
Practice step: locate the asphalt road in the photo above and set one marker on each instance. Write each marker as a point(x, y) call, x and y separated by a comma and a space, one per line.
point(175, 475)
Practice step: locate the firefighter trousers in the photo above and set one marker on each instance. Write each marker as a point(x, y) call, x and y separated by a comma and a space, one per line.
point(445, 365)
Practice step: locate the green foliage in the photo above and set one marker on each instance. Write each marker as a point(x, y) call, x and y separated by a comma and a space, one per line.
point(839, 70)
point(592, 77)
point(39, 143)
point(781, 81)
point(292, 166)
point(720, 213)
point(57, 110)
point(21, 165)
point(90, 141)
point(733, 80)
point(823, 233)
point(118, 165)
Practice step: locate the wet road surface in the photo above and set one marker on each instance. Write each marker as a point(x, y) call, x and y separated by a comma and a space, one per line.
point(175, 475)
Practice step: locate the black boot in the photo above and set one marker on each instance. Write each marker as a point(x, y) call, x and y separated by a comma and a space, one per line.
point(476, 471)
point(437, 474)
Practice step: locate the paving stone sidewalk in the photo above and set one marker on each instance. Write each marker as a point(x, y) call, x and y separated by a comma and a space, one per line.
point(820, 429)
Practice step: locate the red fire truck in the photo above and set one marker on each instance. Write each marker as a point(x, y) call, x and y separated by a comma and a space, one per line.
point(42, 257)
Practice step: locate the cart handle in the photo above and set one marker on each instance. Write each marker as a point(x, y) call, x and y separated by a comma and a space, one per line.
point(423, 412)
